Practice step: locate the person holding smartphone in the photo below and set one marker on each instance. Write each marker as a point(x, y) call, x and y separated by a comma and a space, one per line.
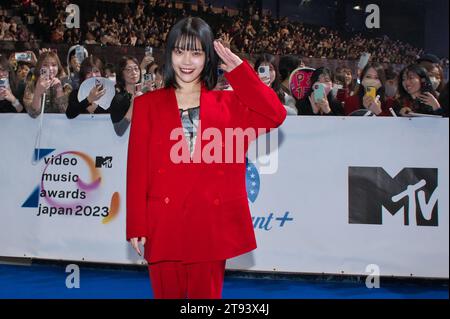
point(128, 86)
point(46, 82)
point(319, 100)
point(75, 56)
point(10, 100)
point(370, 93)
point(416, 93)
point(267, 70)
point(90, 67)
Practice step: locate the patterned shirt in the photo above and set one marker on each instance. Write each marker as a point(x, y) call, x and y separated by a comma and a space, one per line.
point(190, 119)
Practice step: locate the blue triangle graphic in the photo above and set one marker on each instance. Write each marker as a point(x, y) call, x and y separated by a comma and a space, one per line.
point(42, 153)
point(33, 199)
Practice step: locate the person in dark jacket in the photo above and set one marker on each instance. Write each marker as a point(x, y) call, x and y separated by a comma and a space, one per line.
point(325, 106)
point(90, 67)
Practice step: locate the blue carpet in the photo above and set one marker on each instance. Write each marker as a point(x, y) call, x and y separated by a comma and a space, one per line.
point(48, 281)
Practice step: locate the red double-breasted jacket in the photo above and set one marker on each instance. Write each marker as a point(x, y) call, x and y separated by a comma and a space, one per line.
point(195, 211)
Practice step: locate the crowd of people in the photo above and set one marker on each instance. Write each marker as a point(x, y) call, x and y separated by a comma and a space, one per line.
point(419, 88)
point(148, 23)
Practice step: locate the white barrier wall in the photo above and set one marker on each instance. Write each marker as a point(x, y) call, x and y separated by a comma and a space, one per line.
point(350, 196)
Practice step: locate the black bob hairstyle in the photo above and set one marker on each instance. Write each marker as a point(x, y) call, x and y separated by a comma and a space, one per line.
point(184, 36)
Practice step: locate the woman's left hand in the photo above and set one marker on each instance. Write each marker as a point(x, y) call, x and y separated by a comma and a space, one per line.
point(230, 60)
point(429, 99)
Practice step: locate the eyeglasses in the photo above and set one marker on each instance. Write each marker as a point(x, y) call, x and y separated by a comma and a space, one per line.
point(129, 70)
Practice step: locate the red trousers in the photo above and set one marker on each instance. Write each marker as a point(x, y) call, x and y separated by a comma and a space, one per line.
point(176, 280)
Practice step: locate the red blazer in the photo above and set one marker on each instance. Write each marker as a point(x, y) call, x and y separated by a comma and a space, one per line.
point(194, 212)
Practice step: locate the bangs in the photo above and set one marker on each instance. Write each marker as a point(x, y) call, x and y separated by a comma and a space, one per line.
point(195, 35)
point(188, 42)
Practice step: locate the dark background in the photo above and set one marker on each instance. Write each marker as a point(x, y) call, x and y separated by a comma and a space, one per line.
point(423, 23)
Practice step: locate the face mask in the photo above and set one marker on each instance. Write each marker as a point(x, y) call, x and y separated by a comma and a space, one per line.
point(391, 90)
point(112, 78)
point(434, 82)
point(371, 83)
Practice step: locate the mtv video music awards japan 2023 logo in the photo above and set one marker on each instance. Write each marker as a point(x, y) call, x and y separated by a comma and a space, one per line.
point(70, 182)
point(269, 220)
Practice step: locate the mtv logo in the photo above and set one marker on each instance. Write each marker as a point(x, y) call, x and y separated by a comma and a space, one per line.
point(373, 192)
point(103, 161)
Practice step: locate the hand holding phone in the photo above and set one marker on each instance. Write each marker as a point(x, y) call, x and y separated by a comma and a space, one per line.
point(44, 74)
point(264, 72)
point(319, 92)
point(371, 91)
point(99, 84)
point(148, 77)
point(148, 51)
point(4, 83)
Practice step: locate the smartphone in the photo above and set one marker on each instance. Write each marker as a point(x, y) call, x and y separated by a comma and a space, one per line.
point(148, 77)
point(264, 71)
point(79, 53)
point(99, 84)
point(426, 87)
point(363, 60)
point(44, 73)
point(371, 91)
point(4, 83)
point(319, 92)
point(138, 87)
point(23, 56)
point(148, 51)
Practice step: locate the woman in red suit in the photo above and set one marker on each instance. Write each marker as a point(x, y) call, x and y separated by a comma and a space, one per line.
point(186, 200)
